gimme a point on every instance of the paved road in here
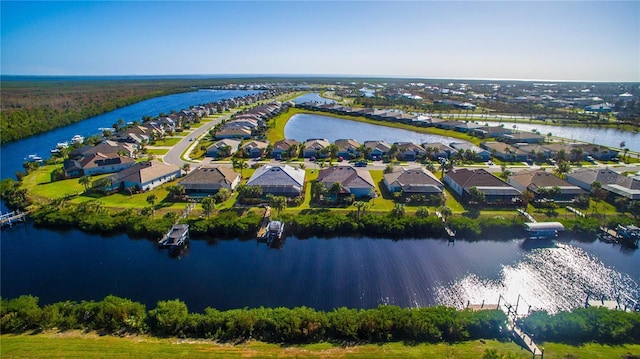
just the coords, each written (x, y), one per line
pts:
(173, 156)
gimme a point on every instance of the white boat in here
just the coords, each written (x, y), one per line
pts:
(34, 158)
(175, 237)
(275, 229)
(62, 145)
(77, 139)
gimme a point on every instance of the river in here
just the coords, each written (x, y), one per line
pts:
(357, 272)
(13, 154)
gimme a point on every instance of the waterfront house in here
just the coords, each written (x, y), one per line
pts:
(105, 147)
(355, 181)
(542, 183)
(467, 127)
(505, 151)
(314, 148)
(96, 163)
(598, 152)
(144, 176)
(223, 148)
(207, 180)
(377, 149)
(254, 149)
(413, 181)
(615, 183)
(490, 131)
(435, 150)
(410, 151)
(481, 154)
(348, 148)
(522, 137)
(278, 180)
(285, 148)
(496, 191)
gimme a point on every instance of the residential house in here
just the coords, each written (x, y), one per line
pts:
(496, 191)
(96, 163)
(314, 148)
(105, 147)
(598, 152)
(348, 148)
(434, 150)
(615, 183)
(223, 148)
(522, 137)
(207, 180)
(278, 180)
(254, 149)
(481, 154)
(233, 132)
(283, 148)
(355, 181)
(490, 131)
(505, 151)
(540, 182)
(466, 127)
(377, 149)
(410, 151)
(144, 176)
(413, 181)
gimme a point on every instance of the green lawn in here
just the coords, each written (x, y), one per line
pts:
(166, 142)
(79, 345)
(157, 151)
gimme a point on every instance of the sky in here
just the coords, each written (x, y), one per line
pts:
(541, 40)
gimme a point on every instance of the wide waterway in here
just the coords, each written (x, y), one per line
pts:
(316, 272)
(321, 273)
(13, 154)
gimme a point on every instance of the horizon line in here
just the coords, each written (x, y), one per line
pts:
(257, 75)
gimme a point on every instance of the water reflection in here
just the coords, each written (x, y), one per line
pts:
(558, 277)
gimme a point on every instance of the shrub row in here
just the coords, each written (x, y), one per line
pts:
(585, 325)
(116, 315)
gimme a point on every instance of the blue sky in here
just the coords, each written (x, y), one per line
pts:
(571, 40)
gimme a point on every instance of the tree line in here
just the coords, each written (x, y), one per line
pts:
(115, 315)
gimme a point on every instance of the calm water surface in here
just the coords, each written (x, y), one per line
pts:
(319, 273)
(304, 126)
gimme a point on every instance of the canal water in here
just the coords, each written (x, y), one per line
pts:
(356, 272)
(322, 273)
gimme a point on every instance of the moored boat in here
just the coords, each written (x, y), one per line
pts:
(177, 236)
(275, 229)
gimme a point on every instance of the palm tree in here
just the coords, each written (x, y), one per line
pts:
(335, 190)
(151, 199)
(361, 207)
(277, 202)
(207, 205)
(186, 167)
(562, 169)
(85, 181)
(446, 212)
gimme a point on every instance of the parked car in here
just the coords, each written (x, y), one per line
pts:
(361, 164)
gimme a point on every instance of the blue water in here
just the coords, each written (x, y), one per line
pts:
(13, 154)
(312, 97)
(320, 273)
(304, 126)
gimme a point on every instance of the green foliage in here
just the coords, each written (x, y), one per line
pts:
(585, 325)
(289, 325)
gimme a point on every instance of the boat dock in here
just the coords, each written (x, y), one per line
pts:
(8, 219)
(511, 311)
(450, 232)
(263, 230)
(175, 237)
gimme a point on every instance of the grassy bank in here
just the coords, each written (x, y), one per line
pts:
(92, 345)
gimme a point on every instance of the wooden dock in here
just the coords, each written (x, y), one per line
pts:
(450, 232)
(8, 219)
(266, 218)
